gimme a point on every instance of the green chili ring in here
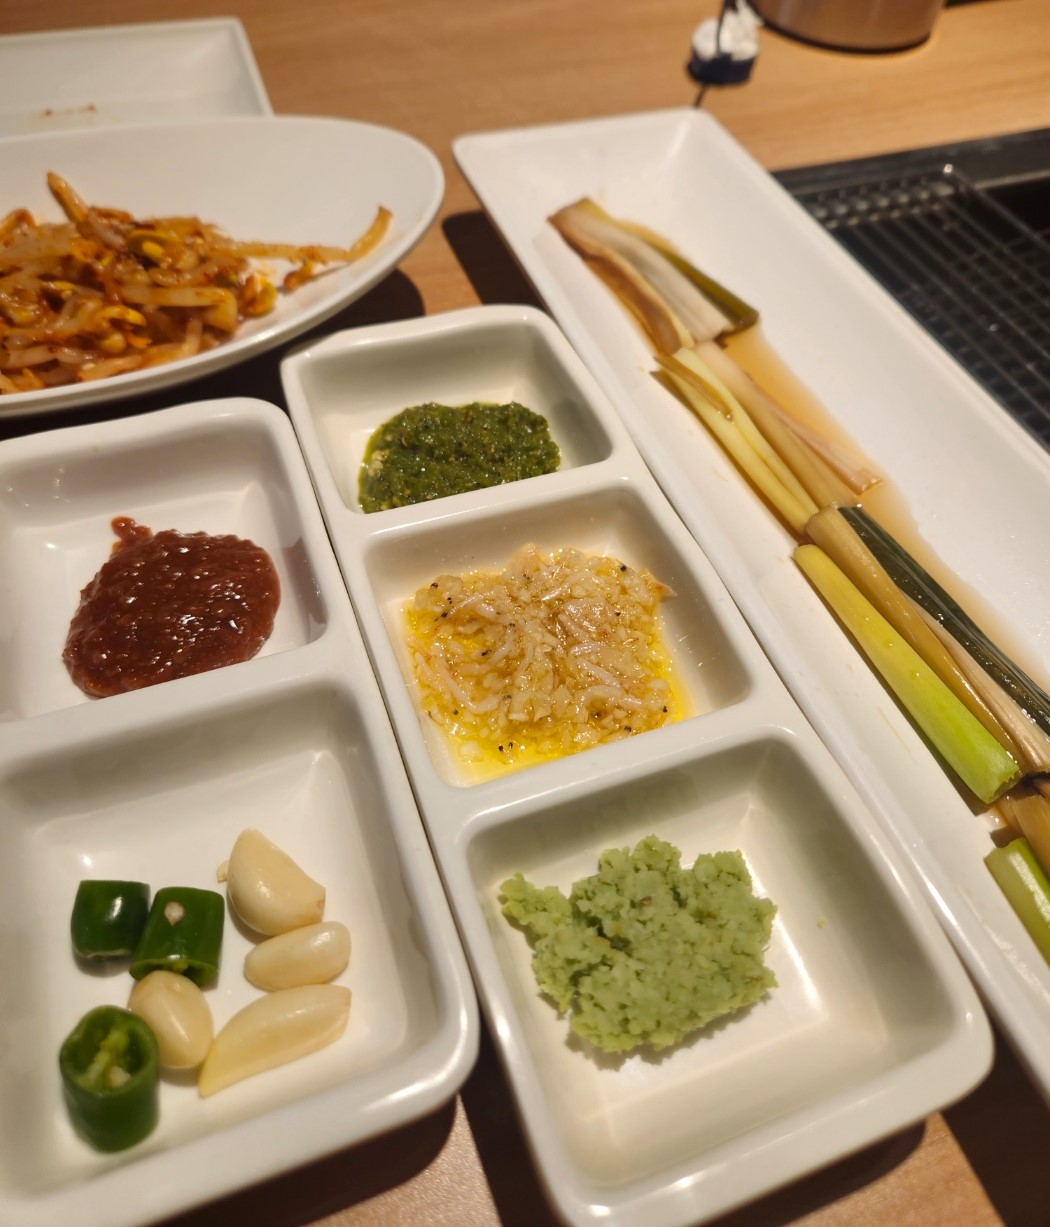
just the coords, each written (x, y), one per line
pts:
(109, 1066)
(183, 934)
(108, 918)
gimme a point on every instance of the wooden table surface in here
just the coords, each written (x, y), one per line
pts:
(437, 68)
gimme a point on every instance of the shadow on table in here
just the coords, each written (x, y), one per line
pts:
(394, 298)
(504, 1153)
(332, 1184)
(1000, 1127)
(828, 1186)
(1003, 1128)
(491, 269)
(521, 1202)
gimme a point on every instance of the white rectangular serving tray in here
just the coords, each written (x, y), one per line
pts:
(155, 784)
(127, 74)
(872, 1025)
(976, 487)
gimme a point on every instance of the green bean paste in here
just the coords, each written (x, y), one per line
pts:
(430, 451)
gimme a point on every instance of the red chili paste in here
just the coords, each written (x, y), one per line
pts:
(167, 605)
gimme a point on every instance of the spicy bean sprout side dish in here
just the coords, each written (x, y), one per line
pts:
(103, 293)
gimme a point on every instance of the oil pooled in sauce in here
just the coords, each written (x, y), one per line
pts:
(167, 605)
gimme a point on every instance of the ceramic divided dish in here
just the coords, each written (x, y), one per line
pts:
(155, 785)
(965, 480)
(873, 1023)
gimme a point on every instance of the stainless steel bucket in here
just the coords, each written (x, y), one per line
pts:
(854, 25)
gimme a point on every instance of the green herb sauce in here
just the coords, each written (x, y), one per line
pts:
(430, 451)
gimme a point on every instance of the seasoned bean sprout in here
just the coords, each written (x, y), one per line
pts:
(103, 292)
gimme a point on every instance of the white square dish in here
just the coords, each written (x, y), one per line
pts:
(607, 518)
(965, 479)
(847, 1049)
(154, 785)
(164, 806)
(225, 474)
(351, 387)
(127, 74)
(860, 1013)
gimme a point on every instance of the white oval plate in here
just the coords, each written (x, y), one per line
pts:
(281, 179)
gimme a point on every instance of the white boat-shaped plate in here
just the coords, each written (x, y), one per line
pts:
(976, 487)
(154, 785)
(148, 71)
(282, 179)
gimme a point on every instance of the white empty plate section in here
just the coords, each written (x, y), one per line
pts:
(106, 75)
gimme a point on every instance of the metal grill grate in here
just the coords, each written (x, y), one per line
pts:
(972, 273)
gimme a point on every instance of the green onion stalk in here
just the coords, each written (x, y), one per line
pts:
(987, 720)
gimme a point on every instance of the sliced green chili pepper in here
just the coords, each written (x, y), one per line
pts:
(108, 918)
(109, 1073)
(183, 933)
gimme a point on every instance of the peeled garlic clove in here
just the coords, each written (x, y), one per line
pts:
(274, 1030)
(268, 890)
(313, 954)
(178, 1014)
